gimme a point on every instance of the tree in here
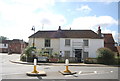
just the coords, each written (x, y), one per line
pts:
(29, 54)
(3, 38)
(105, 56)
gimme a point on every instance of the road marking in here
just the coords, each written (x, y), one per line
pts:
(111, 71)
(95, 72)
(12, 74)
(80, 72)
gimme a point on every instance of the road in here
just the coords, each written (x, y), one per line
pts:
(18, 71)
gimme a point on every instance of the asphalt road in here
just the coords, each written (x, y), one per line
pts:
(18, 71)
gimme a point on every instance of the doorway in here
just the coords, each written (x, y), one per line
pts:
(78, 54)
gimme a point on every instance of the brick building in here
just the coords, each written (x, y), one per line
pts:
(109, 41)
(4, 46)
(12, 46)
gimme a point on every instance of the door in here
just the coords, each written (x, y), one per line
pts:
(78, 54)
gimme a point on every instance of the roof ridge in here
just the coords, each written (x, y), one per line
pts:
(66, 34)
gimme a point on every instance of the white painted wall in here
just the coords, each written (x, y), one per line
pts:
(59, 45)
(39, 44)
(95, 44)
(65, 48)
(2, 45)
(30, 41)
(55, 44)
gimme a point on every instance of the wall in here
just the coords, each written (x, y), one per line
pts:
(2, 45)
(59, 45)
(71, 47)
(3, 49)
(95, 44)
(39, 44)
(55, 44)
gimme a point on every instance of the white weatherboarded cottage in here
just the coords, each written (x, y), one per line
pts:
(69, 43)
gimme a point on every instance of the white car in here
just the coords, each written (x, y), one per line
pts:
(42, 59)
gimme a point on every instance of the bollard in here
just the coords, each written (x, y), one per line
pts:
(35, 66)
(67, 71)
(67, 63)
(35, 72)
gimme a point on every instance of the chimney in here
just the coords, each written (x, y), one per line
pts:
(59, 28)
(99, 32)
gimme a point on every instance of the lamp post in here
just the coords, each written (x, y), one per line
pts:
(33, 28)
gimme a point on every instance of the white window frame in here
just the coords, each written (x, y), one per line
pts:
(67, 42)
(86, 43)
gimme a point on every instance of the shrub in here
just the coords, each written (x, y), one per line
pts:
(105, 56)
(117, 61)
(90, 61)
(23, 57)
(28, 53)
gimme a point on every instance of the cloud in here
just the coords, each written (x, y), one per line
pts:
(92, 23)
(51, 19)
(18, 17)
(84, 8)
(89, 22)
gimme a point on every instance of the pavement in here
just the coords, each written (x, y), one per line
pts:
(13, 68)
(61, 64)
(17, 60)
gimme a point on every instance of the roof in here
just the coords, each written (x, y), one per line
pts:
(5, 41)
(66, 34)
(108, 38)
(12, 41)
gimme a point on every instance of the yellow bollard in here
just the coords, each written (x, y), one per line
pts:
(35, 66)
(67, 70)
(35, 72)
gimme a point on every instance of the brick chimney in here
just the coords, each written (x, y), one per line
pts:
(99, 32)
(59, 28)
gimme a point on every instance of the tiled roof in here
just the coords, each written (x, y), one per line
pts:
(11, 41)
(66, 34)
(5, 41)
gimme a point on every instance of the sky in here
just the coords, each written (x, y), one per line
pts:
(17, 17)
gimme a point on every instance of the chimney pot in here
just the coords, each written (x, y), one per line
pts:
(99, 32)
(59, 28)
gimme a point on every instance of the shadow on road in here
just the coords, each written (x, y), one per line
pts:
(39, 77)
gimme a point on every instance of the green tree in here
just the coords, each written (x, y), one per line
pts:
(105, 56)
(28, 54)
(3, 38)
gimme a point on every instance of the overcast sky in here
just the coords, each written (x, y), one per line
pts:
(18, 16)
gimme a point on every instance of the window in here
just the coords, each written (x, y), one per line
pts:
(85, 55)
(86, 43)
(67, 42)
(47, 42)
(67, 54)
(5, 45)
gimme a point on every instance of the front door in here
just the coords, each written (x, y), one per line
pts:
(78, 54)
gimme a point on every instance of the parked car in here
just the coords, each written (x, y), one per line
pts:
(42, 59)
